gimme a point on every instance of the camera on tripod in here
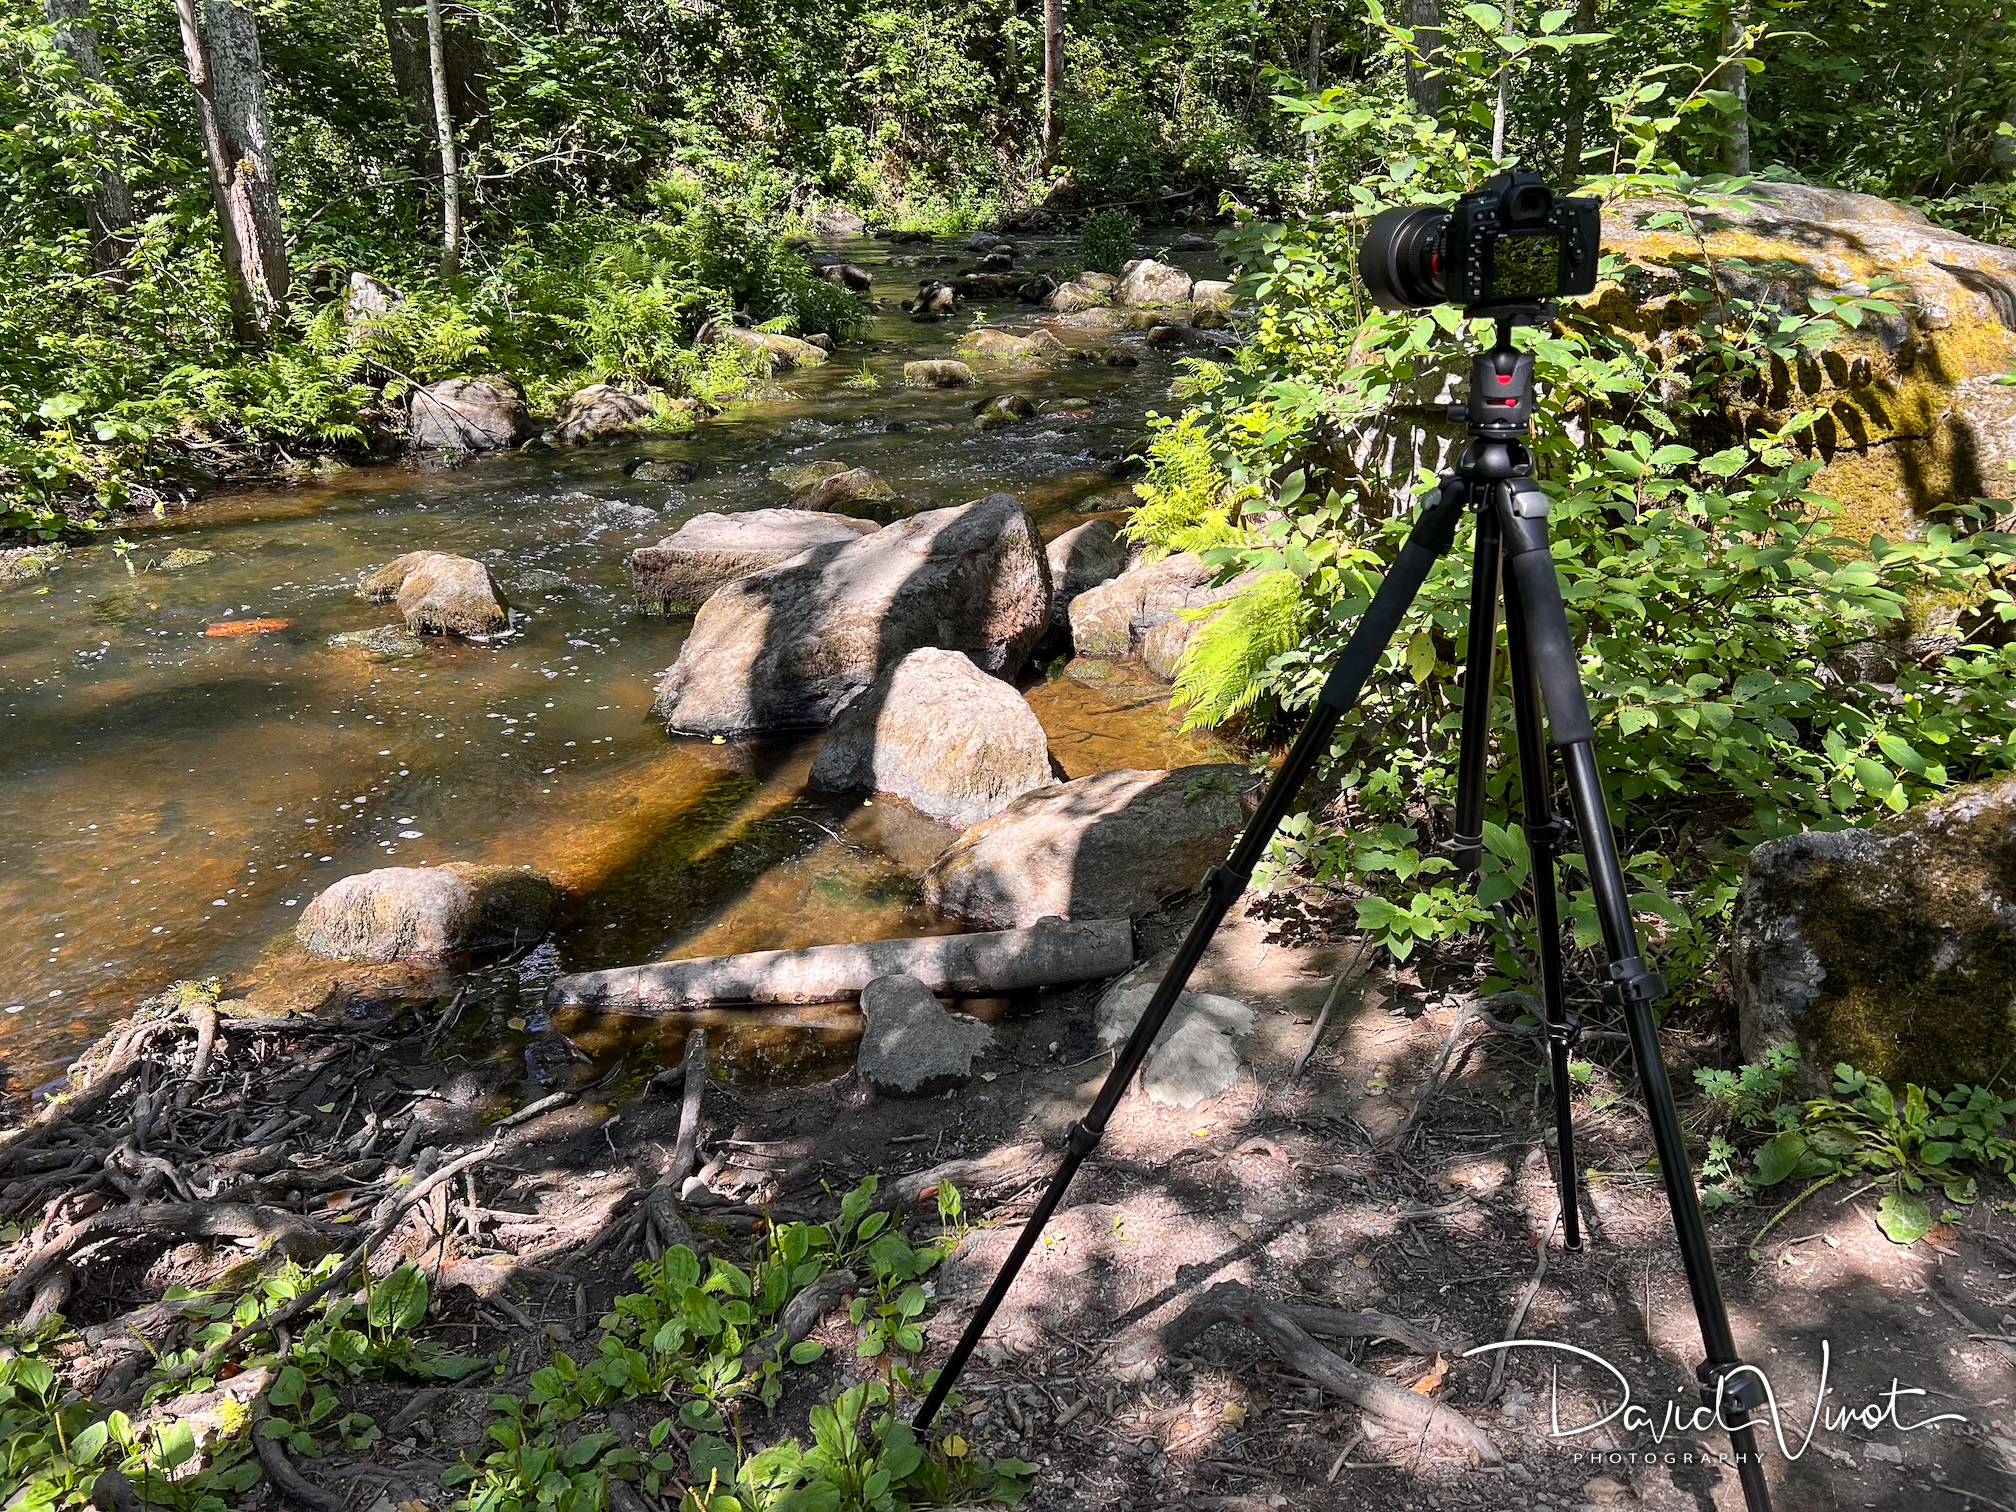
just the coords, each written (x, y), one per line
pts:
(1506, 248)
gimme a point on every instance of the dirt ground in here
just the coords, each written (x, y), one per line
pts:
(1314, 1191)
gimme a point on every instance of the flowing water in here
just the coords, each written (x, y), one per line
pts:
(170, 797)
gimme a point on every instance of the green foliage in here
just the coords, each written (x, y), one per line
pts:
(1223, 672)
(1107, 242)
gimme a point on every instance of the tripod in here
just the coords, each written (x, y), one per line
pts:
(1493, 478)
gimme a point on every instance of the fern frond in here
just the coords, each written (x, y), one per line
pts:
(1224, 670)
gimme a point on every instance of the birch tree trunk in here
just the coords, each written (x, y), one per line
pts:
(227, 75)
(1053, 75)
(108, 209)
(1735, 78)
(1423, 86)
(444, 136)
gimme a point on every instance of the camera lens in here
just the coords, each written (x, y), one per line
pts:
(1401, 258)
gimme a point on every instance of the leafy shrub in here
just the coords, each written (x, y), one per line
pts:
(1106, 244)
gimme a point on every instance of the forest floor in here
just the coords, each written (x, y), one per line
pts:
(1321, 1190)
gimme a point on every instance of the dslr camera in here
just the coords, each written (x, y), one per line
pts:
(1507, 248)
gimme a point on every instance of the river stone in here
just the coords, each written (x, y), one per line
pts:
(848, 275)
(662, 470)
(784, 352)
(940, 734)
(992, 341)
(440, 594)
(1111, 620)
(1212, 294)
(913, 1047)
(799, 476)
(1892, 948)
(1195, 1057)
(679, 574)
(601, 410)
(184, 556)
(1082, 558)
(856, 491)
(792, 645)
(380, 643)
(1163, 645)
(405, 912)
(467, 414)
(23, 564)
(1004, 409)
(1148, 282)
(935, 301)
(1100, 847)
(1078, 295)
(939, 372)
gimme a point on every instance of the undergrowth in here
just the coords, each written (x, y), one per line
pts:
(700, 1338)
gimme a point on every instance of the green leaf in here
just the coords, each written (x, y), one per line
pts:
(288, 1387)
(1421, 656)
(710, 1456)
(399, 1302)
(1904, 1219)
(807, 1352)
(1779, 1157)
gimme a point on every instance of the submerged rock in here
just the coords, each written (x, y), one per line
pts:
(439, 594)
(184, 556)
(663, 470)
(940, 372)
(1196, 1057)
(799, 476)
(21, 564)
(467, 414)
(1099, 847)
(601, 410)
(1892, 948)
(913, 1047)
(791, 646)
(682, 571)
(940, 734)
(407, 912)
(382, 643)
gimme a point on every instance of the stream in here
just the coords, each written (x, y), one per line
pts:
(170, 799)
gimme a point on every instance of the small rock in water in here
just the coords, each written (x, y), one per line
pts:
(1004, 409)
(662, 470)
(228, 629)
(912, 1046)
(944, 372)
(382, 643)
(441, 594)
(184, 556)
(602, 410)
(542, 580)
(428, 912)
(855, 492)
(799, 476)
(21, 564)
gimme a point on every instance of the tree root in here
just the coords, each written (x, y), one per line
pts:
(1394, 1407)
(297, 1492)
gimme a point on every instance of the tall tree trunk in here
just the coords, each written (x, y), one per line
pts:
(1424, 87)
(108, 209)
(1504, 99)
(444, 136)
(233, 218)
(1578, 97)
(1735, 78)
(407, 49)
(1053, 75)
(1315, 53)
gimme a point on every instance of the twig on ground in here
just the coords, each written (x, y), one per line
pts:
(1350, 973)
(1519, 1313)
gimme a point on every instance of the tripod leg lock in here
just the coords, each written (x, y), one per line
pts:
(1081, 1141)
(1223, 885)
(1468, 851)
(1732, 1388)
(1567, 1034)
(1633, 983)
(1553, 836)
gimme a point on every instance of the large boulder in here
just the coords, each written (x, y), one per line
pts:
(838, 220)
(937, 732)
(1082, 558)
(1892, 948)
(793, 645)
(467, 414)
(992, 341)
(1118, 843)
(1164, 645)
(428, 912)
(1148, 282)
(601, 410)
(1114, 618)
(682, 571)
(440, 594)
(912, 1047)
(781, 352)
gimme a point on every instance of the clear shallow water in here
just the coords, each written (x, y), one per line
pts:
(169, 800)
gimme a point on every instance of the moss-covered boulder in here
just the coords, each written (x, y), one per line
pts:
(1913, 416)
(1891, 948)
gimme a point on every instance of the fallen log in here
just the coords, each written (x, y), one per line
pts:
(1009, 1166)
(1047, 953)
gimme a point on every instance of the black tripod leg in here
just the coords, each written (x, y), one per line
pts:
(1431, 536)
(1727, 1384)
(1473, 749)
(1543, 839)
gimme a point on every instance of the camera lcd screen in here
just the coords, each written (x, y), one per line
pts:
(1526, 265)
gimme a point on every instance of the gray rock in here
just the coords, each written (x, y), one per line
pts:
(439, 594)
(781, 352)
(1004, 409)
(1891, 948)
(1148, 282)
(1163, 645)
(1082, 558)
(382, 643)
(940, 734)
(848, 276)
(1196, 1056)
(912, 1047)
(1112, 619)
(1100, 847)
(366, 298)
(940, 372)
(793, 645)
(682, 571)
(1212, 293)
(992, 341)
(184, 556)
(663, 470)
(857, 491)
(467, 414)
(600, 410)
(935, 301)
(1079, 294)
(799, 476)
(838, 220)
(428, 912)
